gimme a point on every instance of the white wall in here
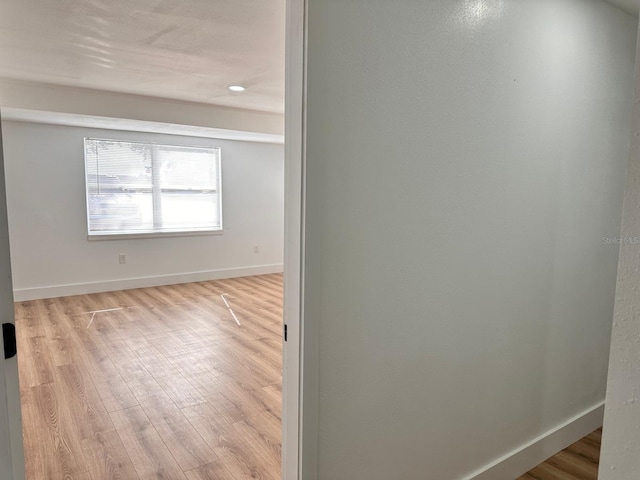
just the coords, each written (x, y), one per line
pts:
(620, 456)
(47, 217)
(464, 161)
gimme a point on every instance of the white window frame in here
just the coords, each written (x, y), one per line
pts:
(153, 233)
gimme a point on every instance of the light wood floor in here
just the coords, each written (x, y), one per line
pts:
(577, 462)
(155, 383)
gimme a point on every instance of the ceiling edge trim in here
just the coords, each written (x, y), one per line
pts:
(109, 123)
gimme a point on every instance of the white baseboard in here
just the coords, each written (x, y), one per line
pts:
(24, 294)
(524, 458)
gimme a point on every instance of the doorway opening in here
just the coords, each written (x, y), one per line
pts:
(179, 380)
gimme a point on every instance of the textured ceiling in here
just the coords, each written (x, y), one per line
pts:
(182, 49)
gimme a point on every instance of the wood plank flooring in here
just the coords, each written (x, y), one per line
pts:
(577, 462)
(154, 383)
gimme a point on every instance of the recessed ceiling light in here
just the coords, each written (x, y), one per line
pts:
(236, 88)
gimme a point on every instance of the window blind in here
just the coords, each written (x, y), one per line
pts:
(137, 188)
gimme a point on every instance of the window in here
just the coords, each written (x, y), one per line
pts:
(146, 188)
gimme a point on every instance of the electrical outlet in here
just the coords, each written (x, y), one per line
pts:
(256, 249)
(122, 258)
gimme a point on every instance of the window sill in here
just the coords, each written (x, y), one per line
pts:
(133, 236)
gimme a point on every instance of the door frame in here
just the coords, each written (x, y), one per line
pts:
(294, 428)
(10, 404)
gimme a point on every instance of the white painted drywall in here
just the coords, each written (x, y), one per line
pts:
(620, 456)
(464, 161)
(631, 6)
(47, 216)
